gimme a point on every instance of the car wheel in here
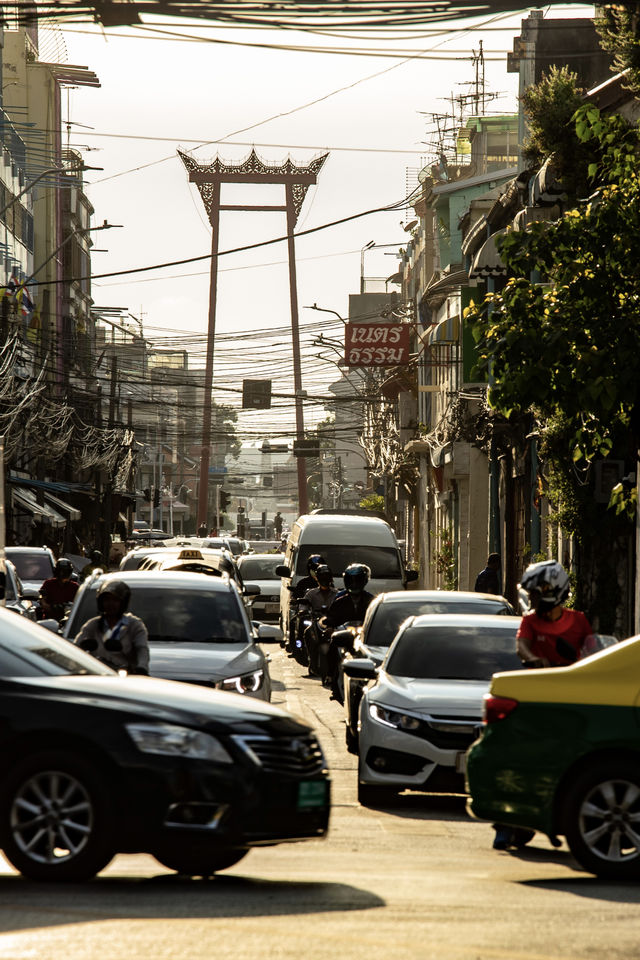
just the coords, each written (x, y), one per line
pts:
(602, 821)
(196, 863)
(351, 739)
(375, 795)
(55, 818)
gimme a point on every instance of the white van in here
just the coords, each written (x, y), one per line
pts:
(343, 539)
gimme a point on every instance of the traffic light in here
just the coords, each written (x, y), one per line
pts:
(147, 494)
(256, 394)
(224, 500)
(156, 497)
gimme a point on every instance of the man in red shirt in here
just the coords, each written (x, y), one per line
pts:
(58, 590)
(551, 635)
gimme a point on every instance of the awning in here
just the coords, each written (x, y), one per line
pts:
(487, 261)
(447, 331)
(45, 514)
(63, 507)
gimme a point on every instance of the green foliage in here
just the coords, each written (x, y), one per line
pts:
(445, 561)
(373, 501)
(619, 29)
(549, 108)
(567, 348)
(624, 500)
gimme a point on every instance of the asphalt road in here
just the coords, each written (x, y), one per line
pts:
(418, 880)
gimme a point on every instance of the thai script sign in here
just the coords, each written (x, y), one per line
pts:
(376, 344)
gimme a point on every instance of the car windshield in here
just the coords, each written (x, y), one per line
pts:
(176, 615)
(32, 566)
(383, 561)
(453, 653)
(388, 616)
(27, 650)
(260, 568)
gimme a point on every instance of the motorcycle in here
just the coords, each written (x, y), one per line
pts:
(342, 639)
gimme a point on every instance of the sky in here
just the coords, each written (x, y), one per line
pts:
(159, 94)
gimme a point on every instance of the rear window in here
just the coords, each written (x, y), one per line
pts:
(383, 561)
(388, 616)
(453, 653)
(32, 566)
(173, 616)
(263, 568)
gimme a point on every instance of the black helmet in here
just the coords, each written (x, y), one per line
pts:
(356, 577)
(117, 588)
(63, 567)
(323, 575)
(314, 561)
(96, 556)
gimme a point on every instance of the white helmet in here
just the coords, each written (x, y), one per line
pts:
(547, 583)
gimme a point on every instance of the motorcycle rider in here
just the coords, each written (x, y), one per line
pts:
(115, 637)
(319, 599)
(349, 606)
(551, 635)
(58, 591)
(296, 630)
(95, 563)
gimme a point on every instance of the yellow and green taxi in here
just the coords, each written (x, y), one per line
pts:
(560, 753)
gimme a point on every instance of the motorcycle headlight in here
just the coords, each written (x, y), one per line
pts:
(171, 740)
(393, 718)
(246, 683)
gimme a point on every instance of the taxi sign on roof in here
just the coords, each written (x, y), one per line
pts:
(190, 555)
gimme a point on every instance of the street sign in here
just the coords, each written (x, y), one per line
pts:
(306, 448)
(376, 344)
(256, 394)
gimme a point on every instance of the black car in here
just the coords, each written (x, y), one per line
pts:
(95, 764)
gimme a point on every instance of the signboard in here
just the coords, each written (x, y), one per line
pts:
(256, 394)
(306, 448)
(376, 344)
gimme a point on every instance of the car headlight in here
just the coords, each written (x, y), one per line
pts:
(246, 683)
(393, 718)
(171, 740)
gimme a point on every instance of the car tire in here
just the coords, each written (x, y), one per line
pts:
(375, 795)
(602, 820)
(351, 740)
(55, 819)
(196, 863)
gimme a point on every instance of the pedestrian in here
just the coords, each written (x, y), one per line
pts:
(277, 525)
(551, 635)
(115, 637)
(488, 580)
(202, 530)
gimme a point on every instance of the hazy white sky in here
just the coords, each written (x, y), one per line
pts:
(161, 94)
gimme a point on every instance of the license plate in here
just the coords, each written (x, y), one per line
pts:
(461, 763)
(272, 608)
(312, 793)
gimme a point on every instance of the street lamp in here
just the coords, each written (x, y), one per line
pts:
(367, 246)
(314, 306)
(74, 233)
(45, 173)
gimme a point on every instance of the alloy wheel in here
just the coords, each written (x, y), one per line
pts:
(51, 817)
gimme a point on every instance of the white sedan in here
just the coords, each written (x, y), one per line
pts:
(423, 707)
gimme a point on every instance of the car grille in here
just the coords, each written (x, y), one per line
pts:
(297, 756)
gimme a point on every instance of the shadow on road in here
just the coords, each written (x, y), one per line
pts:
(25, 904)
(425, 806)
(590, 887)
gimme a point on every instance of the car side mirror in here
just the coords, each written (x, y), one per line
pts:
(343, 639)
(267, 632)
(282, 570)
(363, 669)
(251, 589)
(29, 593)
(410, 576)
(51, 625)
